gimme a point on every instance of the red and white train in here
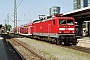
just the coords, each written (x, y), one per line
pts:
(56, 29)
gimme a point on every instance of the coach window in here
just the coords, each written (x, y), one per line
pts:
(53, 22)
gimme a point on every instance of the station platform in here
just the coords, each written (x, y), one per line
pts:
(3, 55)
(84, 42)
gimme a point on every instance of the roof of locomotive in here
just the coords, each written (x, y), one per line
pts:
(57, 16)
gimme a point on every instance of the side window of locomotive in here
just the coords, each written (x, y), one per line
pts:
(53, 22)
(62, 22)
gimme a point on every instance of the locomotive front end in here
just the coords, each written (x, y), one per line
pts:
(67, 31)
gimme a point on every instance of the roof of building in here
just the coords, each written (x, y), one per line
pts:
(74, 11)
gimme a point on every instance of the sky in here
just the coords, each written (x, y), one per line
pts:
(28, 10)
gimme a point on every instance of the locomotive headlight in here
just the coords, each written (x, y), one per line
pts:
(73, 31)
(60, 32)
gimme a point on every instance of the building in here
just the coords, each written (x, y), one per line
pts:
(54, 10)
(77, 4)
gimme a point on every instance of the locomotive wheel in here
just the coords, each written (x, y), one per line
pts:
(66, 43)
(61, 43)
(57, 42)
(52, 42)
(74, 43)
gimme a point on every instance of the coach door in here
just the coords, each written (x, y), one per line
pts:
(29, 30)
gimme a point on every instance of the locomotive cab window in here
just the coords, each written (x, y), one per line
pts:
(62, 22)
(53, 22)
(70, 22)
(66, 22)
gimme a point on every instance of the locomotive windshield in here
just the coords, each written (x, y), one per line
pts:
(66, 22)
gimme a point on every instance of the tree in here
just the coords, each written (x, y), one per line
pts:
(0, 26)
(8, 27)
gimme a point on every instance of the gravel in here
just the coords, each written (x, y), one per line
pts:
(56, 52)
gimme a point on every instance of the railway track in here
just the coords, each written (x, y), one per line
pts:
(25, 50)
(74, 47)
(14, 53)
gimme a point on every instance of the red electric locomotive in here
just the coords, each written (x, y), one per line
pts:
(55, 29)
(58, 29)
